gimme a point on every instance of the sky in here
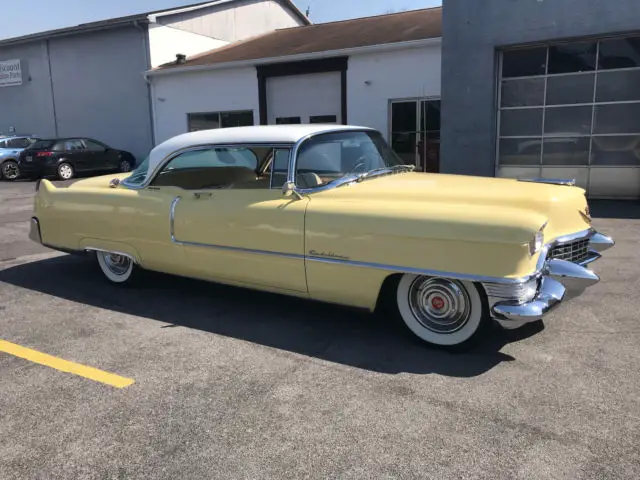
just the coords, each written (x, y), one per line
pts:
(19, 17)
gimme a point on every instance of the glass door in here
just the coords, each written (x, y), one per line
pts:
(415, 132)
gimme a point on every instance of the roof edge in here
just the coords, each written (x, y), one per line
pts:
(382, 47)
(144, 18)
(76, 29)
(288, 4)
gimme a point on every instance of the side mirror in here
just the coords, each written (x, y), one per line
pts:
(289, 189)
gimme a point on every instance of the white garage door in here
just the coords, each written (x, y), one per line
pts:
(313, 98)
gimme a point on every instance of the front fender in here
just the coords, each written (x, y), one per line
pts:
(455, 238)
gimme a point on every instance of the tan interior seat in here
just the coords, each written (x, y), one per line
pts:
(308, 180)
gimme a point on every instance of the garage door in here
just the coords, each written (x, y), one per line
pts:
(573, 110)
(313, 98)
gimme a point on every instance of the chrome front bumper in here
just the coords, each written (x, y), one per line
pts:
(556, 280)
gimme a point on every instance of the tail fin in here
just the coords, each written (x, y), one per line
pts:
(45, 185)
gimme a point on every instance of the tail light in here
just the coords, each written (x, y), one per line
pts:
(44, 154)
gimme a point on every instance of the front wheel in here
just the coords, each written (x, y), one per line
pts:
(442, 312)
(10, 170)
(118, 269)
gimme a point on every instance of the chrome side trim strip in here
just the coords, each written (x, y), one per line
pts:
(239, 249)
(417, 271)
(379, 266)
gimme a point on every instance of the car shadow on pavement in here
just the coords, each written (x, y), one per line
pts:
(332, 333)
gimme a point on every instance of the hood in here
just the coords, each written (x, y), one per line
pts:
(559, 205)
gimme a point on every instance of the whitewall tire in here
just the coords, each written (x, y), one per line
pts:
(118, 269)
(441, 312)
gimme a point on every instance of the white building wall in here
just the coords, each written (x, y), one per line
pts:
(373, 79)
(234, 22)
(165, 42)
(174, 96)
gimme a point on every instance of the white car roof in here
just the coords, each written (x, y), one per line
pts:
(257, 134)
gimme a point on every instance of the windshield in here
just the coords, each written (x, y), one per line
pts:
(138, 176)
(329, 157)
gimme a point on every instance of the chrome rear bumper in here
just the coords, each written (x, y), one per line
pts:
(34, 231)
(558, 280)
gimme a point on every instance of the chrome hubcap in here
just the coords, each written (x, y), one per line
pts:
(11, 170)
(440, 305)
(65, 171)
(117, 264)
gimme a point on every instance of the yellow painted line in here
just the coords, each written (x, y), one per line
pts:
(65, 365)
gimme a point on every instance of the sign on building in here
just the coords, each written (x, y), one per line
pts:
(10, 73)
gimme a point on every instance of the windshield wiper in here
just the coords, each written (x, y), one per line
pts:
(353, 177)
(385, 170)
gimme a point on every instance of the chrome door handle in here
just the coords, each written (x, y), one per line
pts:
(200, 195)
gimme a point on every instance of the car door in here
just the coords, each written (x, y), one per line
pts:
(98, 157)
(232, 219)
(75, 153)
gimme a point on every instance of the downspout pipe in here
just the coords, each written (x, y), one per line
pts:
(147, 50)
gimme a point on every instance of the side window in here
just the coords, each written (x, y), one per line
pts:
(18, 143)
(212, 168)
(280, 167)
(59, 147)
(93, 146)
(73, 145)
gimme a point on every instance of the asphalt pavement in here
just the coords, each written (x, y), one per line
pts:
(235, 384)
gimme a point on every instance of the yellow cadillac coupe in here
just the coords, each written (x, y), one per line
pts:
(330, 213)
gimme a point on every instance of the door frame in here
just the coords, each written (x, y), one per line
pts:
(416, 100)
(306, 67)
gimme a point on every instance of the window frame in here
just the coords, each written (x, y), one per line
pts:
(219, 114)
(274, 146)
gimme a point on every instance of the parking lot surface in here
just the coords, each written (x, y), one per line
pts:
(230, 383)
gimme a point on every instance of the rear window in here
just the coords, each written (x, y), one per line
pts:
(43, 144)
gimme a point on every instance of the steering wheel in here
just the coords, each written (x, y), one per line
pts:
(361, 163)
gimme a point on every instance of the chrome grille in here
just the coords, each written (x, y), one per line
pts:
(576, 251)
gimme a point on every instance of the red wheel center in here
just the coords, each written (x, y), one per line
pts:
(437, 303)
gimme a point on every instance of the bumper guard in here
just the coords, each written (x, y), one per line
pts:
(558, 280)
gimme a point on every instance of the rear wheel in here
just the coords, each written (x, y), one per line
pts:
(125, 166)
(10, 170)
(442, 312)
(118, 269)
(65, 171)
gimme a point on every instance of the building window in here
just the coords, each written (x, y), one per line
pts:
(207, 121)
(570, 106)
(415, 132)
(288, 121)
(323, 119)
